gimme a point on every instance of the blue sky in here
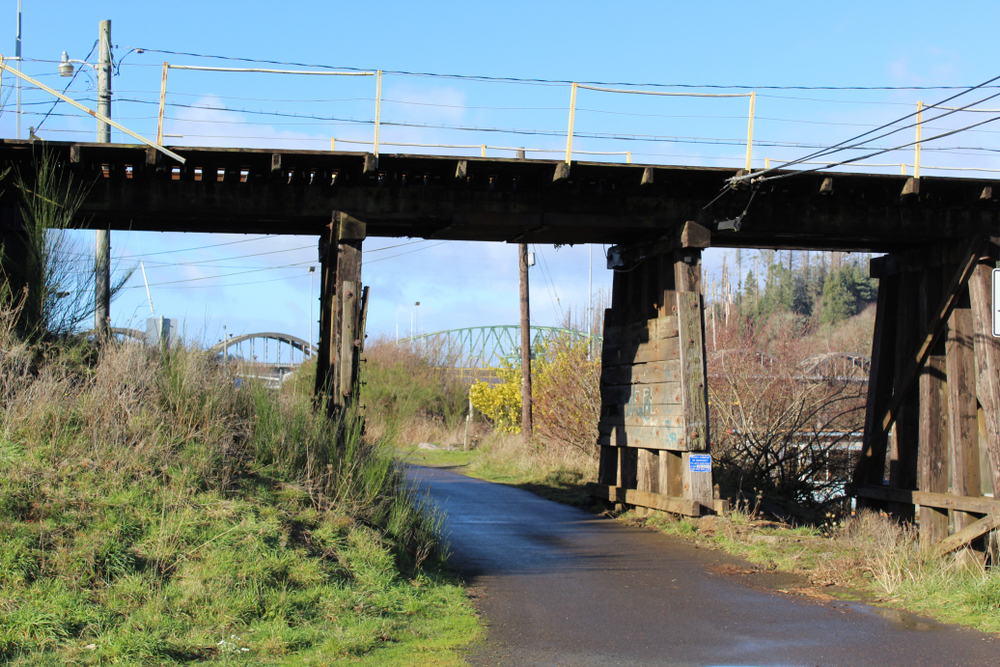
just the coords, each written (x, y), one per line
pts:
(752, 45)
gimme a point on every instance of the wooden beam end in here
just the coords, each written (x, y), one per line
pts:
(562, 172)
(911, 187)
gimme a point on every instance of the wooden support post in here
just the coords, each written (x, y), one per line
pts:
(987, 355)
(326, 352)
(870, 470)
(351, 232)
(654, 421)
(933, 416)
(962, 427)
(349, 343)
(903, 444)
(337, 357)
(933, 453)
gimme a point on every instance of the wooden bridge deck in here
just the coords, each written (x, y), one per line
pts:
(493, 199)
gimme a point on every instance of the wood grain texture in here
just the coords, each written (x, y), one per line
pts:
(986, 349)
(963, 438)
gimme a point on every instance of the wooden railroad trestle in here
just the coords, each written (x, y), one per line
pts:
(932, 436)
(932, 429)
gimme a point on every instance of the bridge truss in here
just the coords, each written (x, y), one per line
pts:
(489, 346)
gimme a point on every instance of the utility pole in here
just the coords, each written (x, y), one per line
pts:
(17, 54)
(522, 251)
(102, 263)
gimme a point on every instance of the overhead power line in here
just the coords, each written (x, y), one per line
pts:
(841, 146)
(538, 81)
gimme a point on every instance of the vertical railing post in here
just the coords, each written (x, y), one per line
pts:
(753, 102)
(163, 101)
(572, 118)
(916, 149)
(378, 110)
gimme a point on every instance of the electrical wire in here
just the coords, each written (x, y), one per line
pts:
(382, 259)
(562, 82)
(877, 153)
(57, 100)
(834, 148)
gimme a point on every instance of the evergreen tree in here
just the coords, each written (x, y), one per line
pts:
(838, 302)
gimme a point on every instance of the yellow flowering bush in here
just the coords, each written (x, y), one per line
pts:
(566, 395)
(500, 402)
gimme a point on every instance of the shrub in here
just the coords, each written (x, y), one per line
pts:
(781, 427)
(566, 396)
(403, 381)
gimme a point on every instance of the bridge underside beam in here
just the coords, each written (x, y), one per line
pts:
(654, 415)
(932, 436)
(257, 191)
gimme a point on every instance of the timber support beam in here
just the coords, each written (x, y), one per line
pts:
(343, 310)
(653, 431)
(935, 369)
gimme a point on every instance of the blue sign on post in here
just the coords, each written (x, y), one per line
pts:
(700, 463)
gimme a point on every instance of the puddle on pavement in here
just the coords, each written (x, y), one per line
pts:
(902, 620)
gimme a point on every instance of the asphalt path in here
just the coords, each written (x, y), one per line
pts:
(560, 586)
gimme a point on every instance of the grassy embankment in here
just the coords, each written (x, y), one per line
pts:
(153, 513)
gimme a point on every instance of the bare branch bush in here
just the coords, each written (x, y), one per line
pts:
(784, 419)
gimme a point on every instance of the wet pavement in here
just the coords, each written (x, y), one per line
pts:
(559, 586)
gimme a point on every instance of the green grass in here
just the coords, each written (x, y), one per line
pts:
(153, 514)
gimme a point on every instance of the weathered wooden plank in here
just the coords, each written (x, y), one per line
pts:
(933, 452)
(326, 353)
(687, 270)
(670, 416)
(646, 437)
(986, 349)
(940, 500)
(648, 474)
(932, 330)
(641, 332)
(671, 478)
(962, 407)
(659, 393)
(649, 373)
(649, 352)
(645, 499)
(694, 388)
(350, 233)
(628, 462)
(969, 533)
